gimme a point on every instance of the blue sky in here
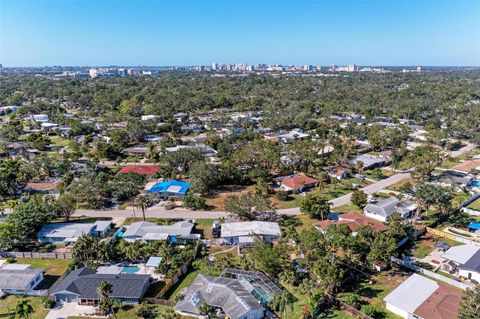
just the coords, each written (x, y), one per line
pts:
(140, 32)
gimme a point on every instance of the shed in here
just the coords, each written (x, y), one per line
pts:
(153, 262)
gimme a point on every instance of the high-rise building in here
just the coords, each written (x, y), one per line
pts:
(214, 66)
(351, 68)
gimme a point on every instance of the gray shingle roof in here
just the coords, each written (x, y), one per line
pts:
(17, 278)
(472, 264)
(387, 207)
(226, 293)
(84, 282)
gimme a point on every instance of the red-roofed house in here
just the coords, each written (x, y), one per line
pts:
(353, 221)
(140, 169)
(298, 183)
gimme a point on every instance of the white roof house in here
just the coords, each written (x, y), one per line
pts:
(238, 229)
(244, 232)
(466, 259)
(70, 232)
(461, 254)
(147, 231)
(421, 297)
(410, 294)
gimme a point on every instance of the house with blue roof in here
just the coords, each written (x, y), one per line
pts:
(170, 189)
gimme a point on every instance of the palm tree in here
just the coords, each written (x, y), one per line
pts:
(103, 290)
(23, 309)
(141, 202)
(85, 248)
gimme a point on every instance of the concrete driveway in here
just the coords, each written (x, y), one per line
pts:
(63, 310)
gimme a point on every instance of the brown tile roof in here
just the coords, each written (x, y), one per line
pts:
(298, 181)
(42, 186)
(140, 169)
(353, 221)
(442, 304)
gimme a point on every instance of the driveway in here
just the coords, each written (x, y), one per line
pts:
(66, 309)
(463, 150)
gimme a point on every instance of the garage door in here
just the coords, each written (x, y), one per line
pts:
(65, 298)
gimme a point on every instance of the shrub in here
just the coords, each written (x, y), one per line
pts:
(371, 310)
(352, 299)
(194, 202)
(282, 195)
(48, 302)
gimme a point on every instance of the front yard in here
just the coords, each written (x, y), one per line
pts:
(7, 306)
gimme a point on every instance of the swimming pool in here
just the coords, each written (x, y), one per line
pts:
(475, 183)
(130, 270)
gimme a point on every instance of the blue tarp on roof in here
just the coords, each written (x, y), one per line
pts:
(474, 225)
(171, 187)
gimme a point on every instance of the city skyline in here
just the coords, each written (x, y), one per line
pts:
(167, 33)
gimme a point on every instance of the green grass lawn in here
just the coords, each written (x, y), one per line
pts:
(54, 269)
(295, 201)
(128, 312)
(335, 314)
(185, 281)
(348, 208)
(475, 205)
(380, 285)
(8, 304)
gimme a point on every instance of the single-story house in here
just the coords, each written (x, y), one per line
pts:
(243, 233)
(371, 161)
(19, 279)
(81, 286)
(147, 232)
(70, 232)
(45, 188)
(40, 118)
(140, 169)
(298, 183)
(170, 189)
(453, 178)
(339, 172)
(232, 296)
(463, 260)
(382, 209)
(421, 297)
(353, 221)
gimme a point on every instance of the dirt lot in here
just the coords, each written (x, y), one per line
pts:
(216, 200)
(468, 165)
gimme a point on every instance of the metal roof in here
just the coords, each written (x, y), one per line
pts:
(411, 293)
(250, 228)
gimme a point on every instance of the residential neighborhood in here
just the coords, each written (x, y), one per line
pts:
(205, 194)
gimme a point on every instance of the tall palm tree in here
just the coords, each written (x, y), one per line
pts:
(104, 289)
(23, 309)
(141, 202)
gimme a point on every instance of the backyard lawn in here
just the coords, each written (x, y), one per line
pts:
(185, 281)
(8, 304)
(475, 205)
(380, 285)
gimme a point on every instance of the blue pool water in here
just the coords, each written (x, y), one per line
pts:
(475, 183)
(119, 234)
(130, 270)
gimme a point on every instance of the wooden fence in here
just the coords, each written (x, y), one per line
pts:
(27, 254)
(158, 301)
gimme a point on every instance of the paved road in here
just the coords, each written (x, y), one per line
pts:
(372, 188)
(160, 212)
